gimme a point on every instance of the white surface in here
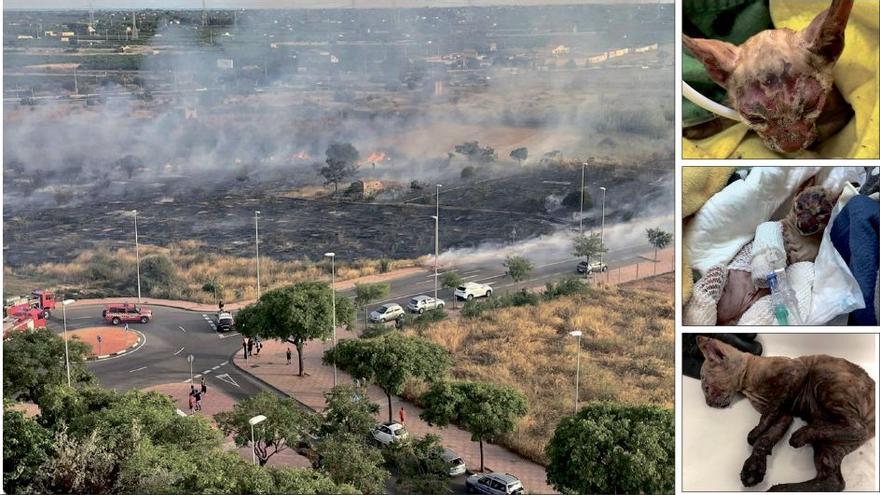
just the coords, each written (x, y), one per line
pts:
(714, 443)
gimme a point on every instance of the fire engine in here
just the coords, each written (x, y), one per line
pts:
(22, 316)
(38, 299)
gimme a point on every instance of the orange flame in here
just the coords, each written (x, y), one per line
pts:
(375, 157)
(302, 155)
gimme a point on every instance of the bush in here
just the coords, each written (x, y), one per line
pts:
(384, 265)
(613, 448)
(468, 172)
(376, 330)
(565, 287)
(573, 200)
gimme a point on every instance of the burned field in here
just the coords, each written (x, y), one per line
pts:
(397, 225)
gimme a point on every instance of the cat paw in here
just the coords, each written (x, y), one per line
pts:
(784, 487)
(753, 435)
(800, 438)
(753, 470)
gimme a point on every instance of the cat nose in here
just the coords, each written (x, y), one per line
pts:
(794, 137)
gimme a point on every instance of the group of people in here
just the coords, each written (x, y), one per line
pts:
(195, 396)
(250, 345)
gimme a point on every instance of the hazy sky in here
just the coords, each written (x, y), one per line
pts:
(223, 4)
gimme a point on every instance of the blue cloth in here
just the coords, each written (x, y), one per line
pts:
(856, 236)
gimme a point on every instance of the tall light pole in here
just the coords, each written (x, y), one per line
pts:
(583, 175)
(436, 252)
(257, 239)
(602, 232)
(436, 240)
(137, 253)
(66, 355)
(254, 421)
(332, 257)
(190, 358)
(577, 376)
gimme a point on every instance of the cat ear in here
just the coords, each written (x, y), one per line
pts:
(824, 36)
(719, 57)
(712, 349)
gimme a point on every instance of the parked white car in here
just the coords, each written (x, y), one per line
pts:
(470, 290)
(420, 304)
(388, 433)
(494, 484)
(454, 462)
(386, 312)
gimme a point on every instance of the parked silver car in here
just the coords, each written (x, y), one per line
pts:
(494, 484)
(454, 462)
(386, 312)
(420, 304)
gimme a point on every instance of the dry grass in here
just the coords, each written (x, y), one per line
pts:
(627, 354)
(194, 268)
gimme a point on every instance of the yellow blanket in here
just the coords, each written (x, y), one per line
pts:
(857, 75)
(698, 184)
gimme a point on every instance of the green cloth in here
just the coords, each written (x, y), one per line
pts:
(733, 21)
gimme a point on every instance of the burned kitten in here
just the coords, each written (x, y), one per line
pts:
(802, 229)
(833, 396)
(780, 81)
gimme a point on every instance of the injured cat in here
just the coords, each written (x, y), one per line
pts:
(805, 223)
(832, 395)
(780, 81)
(692, 357)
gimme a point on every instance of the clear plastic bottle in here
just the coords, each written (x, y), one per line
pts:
(785, 305)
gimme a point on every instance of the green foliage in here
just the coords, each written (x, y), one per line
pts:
(573, 200)
(376, 330)
(468, 172)
(614, 448)
(158, 274)
(520, 154)
(477, 308)
(384, 265)
(451, 280)
(341, 163)
(349, 460)
(349, 410)
(565, 287)
(588, 246)
(364, 294)
(658, 238)
(286, 423)
(390, 360)
(26, 446)
(518, 268)
(297, 313)
(421, 321)
(485, 410)
(34, 361)
(421, 469)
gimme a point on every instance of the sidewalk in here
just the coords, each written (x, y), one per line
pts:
(271, 367)
(215, 401)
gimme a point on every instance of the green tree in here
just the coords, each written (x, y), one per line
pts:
(364, 294)
(573, 200)
(659, 239)
(421, 469)
(286, 423)
(33, 361)
(518, 268)
(588, 246)
(158, 274)
(213, 287)
(390, 360)
(341, 162)
(614, 448)
(484, 409)
(350, 460)
(349, 410)
(451, 280)
(520, 155)
(296, 313)
(26, 446)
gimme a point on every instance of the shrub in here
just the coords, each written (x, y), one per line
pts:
(468, 172)
(565, 287)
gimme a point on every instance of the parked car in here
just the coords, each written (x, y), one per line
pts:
(420, 304)
(593, 266)
(454, 461)
(386, 312)
(388, 433)
(225, 322)
(494, 484)
(126, 313)
(470, 290)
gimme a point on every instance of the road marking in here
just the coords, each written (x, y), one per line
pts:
(138, 369)
(233, 334)
(206, 372)
(182, 329)
(224, 363)
(215, 367)
(81, 318)
(179, 351)
(228, 379)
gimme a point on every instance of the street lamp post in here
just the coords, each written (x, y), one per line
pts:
(583, 175)
(257, 242)
(602, 232)
(66, 354)
(254, 421)
(137, 253)
(190, 358)
(577, 376)
(436, 252)
(332, 257)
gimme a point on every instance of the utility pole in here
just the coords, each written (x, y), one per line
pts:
(332, 257)
(137, 254)
(436, 241)
(257, 236)
(583, 174)
(602, 232)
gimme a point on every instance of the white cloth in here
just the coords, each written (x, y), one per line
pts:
(768, 252)
(801, 278)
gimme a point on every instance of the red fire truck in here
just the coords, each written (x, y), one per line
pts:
(40, 299)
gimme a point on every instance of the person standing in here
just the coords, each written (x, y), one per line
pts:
(204, 386)
(288, 356)
(244, 347)
(250, 347)
(192, 401)
(198, 396)
(402, 414)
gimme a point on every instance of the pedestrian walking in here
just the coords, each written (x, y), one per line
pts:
(204, 387)
(244, 347)
(220, 304)
(259, 346)
(198, 397)
(192, 403)
(402, 414)
(288, 356)
(250, 347)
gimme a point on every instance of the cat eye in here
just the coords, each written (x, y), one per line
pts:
(756, 119)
